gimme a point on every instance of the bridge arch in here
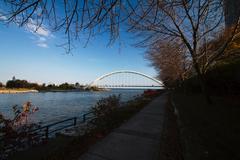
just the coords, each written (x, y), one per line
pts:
(125, 71)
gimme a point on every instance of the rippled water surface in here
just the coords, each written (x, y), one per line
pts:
(55, 106)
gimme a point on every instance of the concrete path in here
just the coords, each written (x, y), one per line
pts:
(137, 139)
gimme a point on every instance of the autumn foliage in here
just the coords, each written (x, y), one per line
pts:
(170, 62)
(15, 132)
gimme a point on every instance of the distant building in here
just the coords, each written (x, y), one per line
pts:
(13, 78)
(231, 12)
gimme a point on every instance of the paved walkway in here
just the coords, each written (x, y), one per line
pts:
(137, 139)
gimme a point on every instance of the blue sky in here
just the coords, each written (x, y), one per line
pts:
(36, 58)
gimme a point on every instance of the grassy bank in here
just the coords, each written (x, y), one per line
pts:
(209, 131)
(65, 147)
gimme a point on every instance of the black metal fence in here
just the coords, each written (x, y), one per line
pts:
(52, 128)
(47, 131)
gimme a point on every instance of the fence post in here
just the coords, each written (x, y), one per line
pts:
(75, 121)
(46, 132)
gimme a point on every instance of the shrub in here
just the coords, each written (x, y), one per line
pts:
(15, 133)
(104, 112)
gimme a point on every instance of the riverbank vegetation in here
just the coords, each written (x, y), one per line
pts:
(21, 86)
(109, 113)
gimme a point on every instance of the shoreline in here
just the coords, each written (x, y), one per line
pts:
(14, 91)
(23, 90)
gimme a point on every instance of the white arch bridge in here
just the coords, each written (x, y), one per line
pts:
(126, 79)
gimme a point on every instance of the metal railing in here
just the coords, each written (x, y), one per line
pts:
(54, 127)
(58, 126)
(86, 116)
(46, 131)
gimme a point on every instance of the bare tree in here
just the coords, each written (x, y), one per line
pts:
(208, 49)
(193, 23)
(170, 61)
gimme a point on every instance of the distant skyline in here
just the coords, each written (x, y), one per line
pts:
(34, 56)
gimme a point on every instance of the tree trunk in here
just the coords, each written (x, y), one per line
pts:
(204, 88)
(203, 85)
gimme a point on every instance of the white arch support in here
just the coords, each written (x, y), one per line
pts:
(125, 71)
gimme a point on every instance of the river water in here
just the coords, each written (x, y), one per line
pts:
(55, 106)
